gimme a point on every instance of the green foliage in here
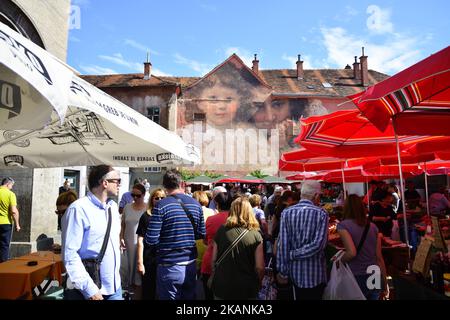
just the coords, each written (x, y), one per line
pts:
(258, 174)
(186, 174)
(212, 175)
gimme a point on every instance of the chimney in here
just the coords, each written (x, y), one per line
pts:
(364, 69)
(300, 72)
(356, 71)
(255, 66)
(147, 69)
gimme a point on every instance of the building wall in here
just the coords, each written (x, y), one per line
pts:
(50, 17)
(239, 123)
(141, 98)
(37, 189)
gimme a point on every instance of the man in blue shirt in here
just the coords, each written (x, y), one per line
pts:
(301, 244)
(84, 227)
(173, 231)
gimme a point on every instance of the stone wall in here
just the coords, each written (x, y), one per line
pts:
(51, 19)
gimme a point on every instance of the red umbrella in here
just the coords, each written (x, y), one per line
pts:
(306, 176)
(305, 160)
(348, 134)
(359, 175)
(417, 98)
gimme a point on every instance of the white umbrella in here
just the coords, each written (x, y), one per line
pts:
(96, 128)
(32, 83)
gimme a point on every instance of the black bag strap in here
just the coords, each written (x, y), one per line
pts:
(189, 215)
(106, 239)
(363, 238)
(231, 247)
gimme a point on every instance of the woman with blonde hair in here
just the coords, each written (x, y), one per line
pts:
(146, 258)
(238, 260)
(203, 199)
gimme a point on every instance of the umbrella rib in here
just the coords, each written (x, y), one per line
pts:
(31, 132)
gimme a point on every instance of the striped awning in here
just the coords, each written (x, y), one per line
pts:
(348, 134)
(417, 98)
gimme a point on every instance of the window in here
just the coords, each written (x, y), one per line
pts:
(152, 169)
(153, 114)
(199, 117)
(327, 85)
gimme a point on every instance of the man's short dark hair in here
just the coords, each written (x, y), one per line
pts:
(96, 175)
(172, 179)
(7, 180)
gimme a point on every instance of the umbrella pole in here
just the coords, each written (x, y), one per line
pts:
(402, 190)
(426, 188)
(343, 181)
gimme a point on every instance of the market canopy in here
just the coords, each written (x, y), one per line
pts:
(348, 134)
(202, 179)
(305, 160)
(417, 99)
(87, 126)
(273, 179)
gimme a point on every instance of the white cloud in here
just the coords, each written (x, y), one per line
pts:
(379, 20)
(346, 14)
(201, 68)
(117, 58)
(293, 61)
(160, 73)
(244, 54)
(139, 46)
(93, 69)
(351, 11)
(394, 54)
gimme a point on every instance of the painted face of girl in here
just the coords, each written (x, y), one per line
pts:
(219, 104)
(270, 113)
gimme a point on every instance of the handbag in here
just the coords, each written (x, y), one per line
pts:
(342, 284)
(268, 289)
(92, 265)
(224, 254)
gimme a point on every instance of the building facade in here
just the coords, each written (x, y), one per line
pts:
(45, 22)
(242, 118)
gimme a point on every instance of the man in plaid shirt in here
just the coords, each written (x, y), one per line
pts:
(301, 244)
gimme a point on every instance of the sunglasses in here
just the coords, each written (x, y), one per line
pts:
(158, 198)
(135, 195)
(117, 181)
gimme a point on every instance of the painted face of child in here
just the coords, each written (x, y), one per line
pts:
(271, 113)
(219, 104)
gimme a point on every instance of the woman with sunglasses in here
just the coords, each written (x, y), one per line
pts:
(64, 200)
(132, 212)
(146, 258)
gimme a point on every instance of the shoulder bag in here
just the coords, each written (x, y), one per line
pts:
(224, 254)
(92, 265)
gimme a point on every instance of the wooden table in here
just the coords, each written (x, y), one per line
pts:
(18, 279)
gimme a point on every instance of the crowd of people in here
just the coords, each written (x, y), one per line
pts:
(223, 239)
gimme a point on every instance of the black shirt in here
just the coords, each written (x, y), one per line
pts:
(377, 210)
(149, 251)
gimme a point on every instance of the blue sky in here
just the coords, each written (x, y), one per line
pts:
(190, 37)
